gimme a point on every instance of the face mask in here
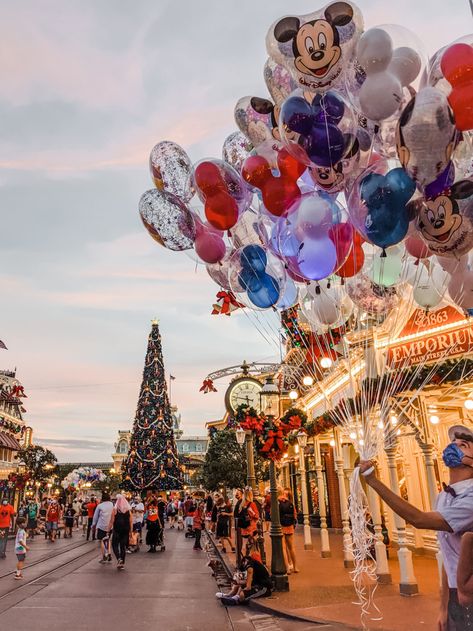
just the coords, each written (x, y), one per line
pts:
(4, 502)
(452, 456)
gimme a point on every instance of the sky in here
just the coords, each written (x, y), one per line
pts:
(87, 89)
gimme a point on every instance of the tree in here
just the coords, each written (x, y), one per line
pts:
(225, 463)
(39, 461)
(152, 460)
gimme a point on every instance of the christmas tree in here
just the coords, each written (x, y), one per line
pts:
(152, 461)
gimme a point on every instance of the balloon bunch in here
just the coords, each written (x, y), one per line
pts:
(79, 476)
(357, 168)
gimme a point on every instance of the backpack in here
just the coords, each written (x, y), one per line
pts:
(243, 518)
(32, 511)
(286, 513)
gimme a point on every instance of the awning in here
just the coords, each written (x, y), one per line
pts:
(9, 441)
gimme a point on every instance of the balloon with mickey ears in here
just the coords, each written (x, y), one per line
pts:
(256, 277)
(278, 192)
(222, 191)
(383, 72)
(319, 132)
(316, 47)
(457, 67)
(170, 168)
(378, 204)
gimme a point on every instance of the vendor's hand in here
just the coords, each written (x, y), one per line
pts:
(365, 465)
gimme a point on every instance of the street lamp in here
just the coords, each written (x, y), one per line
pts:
(293, 395)
(240, 435)
(302, 440)
(270, 407)
(308, 381)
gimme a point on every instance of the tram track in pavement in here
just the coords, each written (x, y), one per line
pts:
(54, 568)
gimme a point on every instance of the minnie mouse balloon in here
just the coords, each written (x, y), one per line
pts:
(316, 47)
(278, 80)
(256, 119)
(445, 222)
(170, 168)
(168, 220)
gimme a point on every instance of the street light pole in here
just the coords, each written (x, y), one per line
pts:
(270, 406)
(302, 440)
(250, 461)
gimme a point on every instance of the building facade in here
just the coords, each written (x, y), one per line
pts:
(122, 445)
(14, 433)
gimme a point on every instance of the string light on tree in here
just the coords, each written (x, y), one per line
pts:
(152, 460)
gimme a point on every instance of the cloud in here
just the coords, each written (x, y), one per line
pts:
(72, 444)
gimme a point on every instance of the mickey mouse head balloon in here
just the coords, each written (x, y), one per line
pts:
(316, 47)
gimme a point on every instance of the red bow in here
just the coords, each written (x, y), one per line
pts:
(274, 443)
(293, 423)
(208, 386)
(252, 423)
(228, 303)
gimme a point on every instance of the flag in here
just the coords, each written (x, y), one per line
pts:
(172, 378)
(2, 345)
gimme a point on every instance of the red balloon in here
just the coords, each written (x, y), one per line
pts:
(355, 259)
(342, 236)
(220, 208)
(457, 68)
(279, 193)
(417, 248)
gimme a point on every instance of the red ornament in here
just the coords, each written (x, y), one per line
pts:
(221, 209)
(229, 303)
(457, 68)
(208, 386)
(279, 193)
(342, 236)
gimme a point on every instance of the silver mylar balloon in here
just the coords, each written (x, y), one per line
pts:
(236, 149)
(170, 168)
(167, 219)
(219, 272)
(368, 296)
(278, 80)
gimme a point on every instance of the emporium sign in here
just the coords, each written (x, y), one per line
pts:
(431, 337)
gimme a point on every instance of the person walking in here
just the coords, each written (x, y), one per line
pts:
(171, 512)
(53, 517)
(69, 515)
(222, 532)
(153, 525)
(32, 516)
(7, 513)
(83, 515)
(453, 516)
(77, 506)
(91, 506)
(288, 519)
(198, 524)
(121, 526)
(20, 548)
(248, 519)
(101, 523)
(138, 510)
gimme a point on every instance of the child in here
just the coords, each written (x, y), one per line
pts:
(198, 524)
(20, 548)
(69, 515)
(180, 519)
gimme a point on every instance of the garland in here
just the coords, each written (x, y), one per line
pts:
(294, 419)
(249, 419)
(271, 442)
(448, 371)
(10, 426)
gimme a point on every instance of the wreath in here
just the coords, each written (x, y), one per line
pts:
(293, 420)
(249, 419)
(271, 442)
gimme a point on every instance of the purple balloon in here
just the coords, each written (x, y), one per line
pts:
(316, 259)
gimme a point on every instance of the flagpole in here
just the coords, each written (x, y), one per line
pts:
(170, 382)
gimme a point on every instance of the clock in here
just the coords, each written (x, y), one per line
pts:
(244, 390)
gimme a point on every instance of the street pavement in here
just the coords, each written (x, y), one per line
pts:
(66, 587)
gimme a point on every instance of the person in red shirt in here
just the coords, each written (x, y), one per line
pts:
(91, 506)
(53, 516)
(198, 524)
(7, 512)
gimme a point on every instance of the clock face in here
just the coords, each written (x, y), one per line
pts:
(243, 391)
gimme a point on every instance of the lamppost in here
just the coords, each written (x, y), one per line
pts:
(302, 441)
(270, 407)
(245, 437)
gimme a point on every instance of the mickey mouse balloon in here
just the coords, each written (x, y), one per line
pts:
(316, 47)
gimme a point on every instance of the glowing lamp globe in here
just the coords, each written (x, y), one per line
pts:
(468, 404)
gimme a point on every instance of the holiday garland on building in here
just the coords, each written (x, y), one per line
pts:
(152, 461)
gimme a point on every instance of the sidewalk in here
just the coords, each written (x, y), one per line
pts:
(323, 590)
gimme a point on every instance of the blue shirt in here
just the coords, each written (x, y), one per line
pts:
(458, 513)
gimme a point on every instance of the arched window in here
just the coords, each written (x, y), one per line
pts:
(122, 447)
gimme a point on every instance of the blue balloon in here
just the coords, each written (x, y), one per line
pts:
(253, 257)
(268, 295)
(386, 197)
(289, 298)
(249, 280)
